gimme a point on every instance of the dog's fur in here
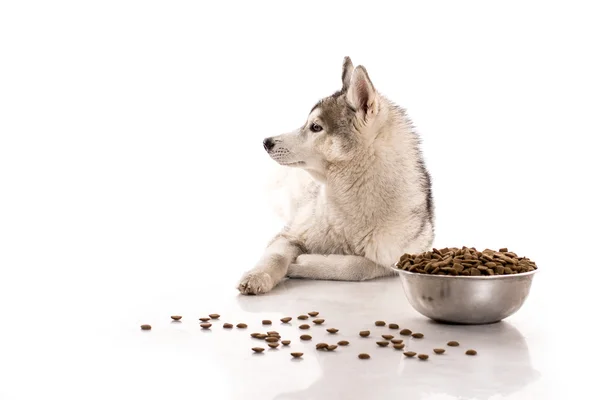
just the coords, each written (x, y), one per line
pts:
(359, 192)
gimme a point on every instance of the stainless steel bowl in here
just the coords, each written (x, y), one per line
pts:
(466, 299)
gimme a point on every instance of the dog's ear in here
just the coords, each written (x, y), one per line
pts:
(347, 70)
(361, 92)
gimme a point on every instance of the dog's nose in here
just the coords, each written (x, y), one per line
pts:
(268, 144)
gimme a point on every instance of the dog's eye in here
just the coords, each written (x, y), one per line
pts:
(315, 127)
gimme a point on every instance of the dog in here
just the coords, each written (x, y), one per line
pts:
(357, 191)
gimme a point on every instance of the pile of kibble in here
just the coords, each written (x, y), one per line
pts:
(273, 339)
(466, 262)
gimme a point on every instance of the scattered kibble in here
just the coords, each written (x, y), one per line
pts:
(146, 327)
(266, 322)
(258, 349)
(387, 337)
(255, 335)
(313, 313)
(285, 320)
(423, 357)
(406, 332)
(302, 316)
(305, 337)
(286, 342)
(379, 323)
(272, 333)
(297, 355)
(242, 326)
(383, 343)
(332, 330)
(343, 343)
(417, 335)
(214, 316)
(399, 346)
(364, 356)
(394, 326)
(304, 326)
(471, 352)
(453, 343)
(271, 339)
(227, 325)
(261, 336)
(410, 354)
(331, 347)
(439, 351)
(176, 317)
(273, 345)
(364, 333)
(396, 341)
(321, 346)
(318, 321)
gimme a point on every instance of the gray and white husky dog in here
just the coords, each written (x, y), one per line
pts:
(357, 194)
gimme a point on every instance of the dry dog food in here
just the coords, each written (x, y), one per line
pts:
(255, 335)
(331, 347)
(423, 357)
(471, 352)
(318, 321)
(205, 325)
(332, 330)
(321, 346)
(242, 326)
(406, 332)
(297, 355)
(146, 327)
(453, 343)
(439, 351)
(379, 323)
(204, 319)
(417, 335)
(410, 353)
(271, 339)
(261, 336)
(258, 349)
(387, 337)
(304, 326)
(396, 341)
(394, 326)
(227, 325)
(399, 346)
(313, 313)
(343, 343)
(286, 342)
(272, 333)
(214, 316)
(302, 316)
(364, 356)
(383, 343)
(286, 320)
(305, 337)
(466, 262)
(176, 317)
(266, 322)
(364, 333)
(273, 345)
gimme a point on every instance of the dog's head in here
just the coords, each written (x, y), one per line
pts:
(336, 129)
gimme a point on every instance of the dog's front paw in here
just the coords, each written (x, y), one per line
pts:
(255, 283)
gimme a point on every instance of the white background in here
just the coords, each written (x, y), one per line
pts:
(131, 160)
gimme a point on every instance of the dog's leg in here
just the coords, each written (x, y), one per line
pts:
(271, 268)
(337, 267)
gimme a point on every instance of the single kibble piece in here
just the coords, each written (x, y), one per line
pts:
(272, 333)
(399, 346)
(206, 325)
(423, 357)
(503, 250)
(204, 319)
(227, 325)
(332, 330)
(379, 323)
(387, 337)
(343, 343)
(406, 332)
(383, 343)
(364, 333)
(255, 335)
(302, 316)
(176, 317)
(146, 327)
(321, 346)
(305, 337)
(313, 313)
(417, 335)
(396, 341)
(242, 326)
(258, 349)
(214, 316)
(271, 339)
(304, 326)
(471, 352)
(286, 342)
(453, 343)
(273, 345)
(364, 356)
(410, 353)
(318, 321)
(439, 351)
(261, 336)
(331, 347)
(286, 320)
(297, 355)
(266, 322)
(394, 326)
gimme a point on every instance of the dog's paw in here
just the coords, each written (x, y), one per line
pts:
(255, 283)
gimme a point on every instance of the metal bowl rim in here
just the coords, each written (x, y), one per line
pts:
(482, 277)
